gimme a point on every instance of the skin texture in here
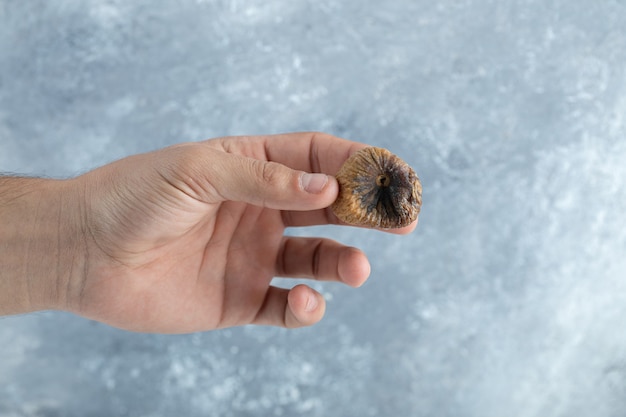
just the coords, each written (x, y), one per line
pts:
(187, 238)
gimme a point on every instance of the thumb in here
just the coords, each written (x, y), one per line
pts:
(270, 184)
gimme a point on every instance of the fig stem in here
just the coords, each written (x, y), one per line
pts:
(382, 180)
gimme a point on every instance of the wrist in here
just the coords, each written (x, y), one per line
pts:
(41, 252)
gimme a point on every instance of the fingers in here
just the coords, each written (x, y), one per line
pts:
(213, 176)
(298, 307)
(322, 259)
(284, 172)
(304, 151)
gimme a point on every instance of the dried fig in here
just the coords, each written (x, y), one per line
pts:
(377, 189)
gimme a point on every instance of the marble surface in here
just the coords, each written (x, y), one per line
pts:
(510, 297)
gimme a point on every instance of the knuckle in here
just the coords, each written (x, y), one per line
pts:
(271, 173)
(185, 168)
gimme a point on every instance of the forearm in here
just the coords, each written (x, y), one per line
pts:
(40, 243)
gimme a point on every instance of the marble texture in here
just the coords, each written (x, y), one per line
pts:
(510, 297)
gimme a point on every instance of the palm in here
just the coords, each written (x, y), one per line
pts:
(196, 273)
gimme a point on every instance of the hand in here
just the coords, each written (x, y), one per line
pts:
(189, 238)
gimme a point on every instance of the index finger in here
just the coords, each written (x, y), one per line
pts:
(304, 151)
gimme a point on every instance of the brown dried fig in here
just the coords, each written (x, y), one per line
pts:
(377, 189)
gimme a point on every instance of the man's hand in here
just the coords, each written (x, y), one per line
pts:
(189, 238)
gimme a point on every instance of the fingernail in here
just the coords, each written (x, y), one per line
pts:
(311, 303)
(313, 183)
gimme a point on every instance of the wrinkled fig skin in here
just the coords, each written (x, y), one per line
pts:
(377, 189)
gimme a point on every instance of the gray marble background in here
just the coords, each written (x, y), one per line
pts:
(508, 300)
